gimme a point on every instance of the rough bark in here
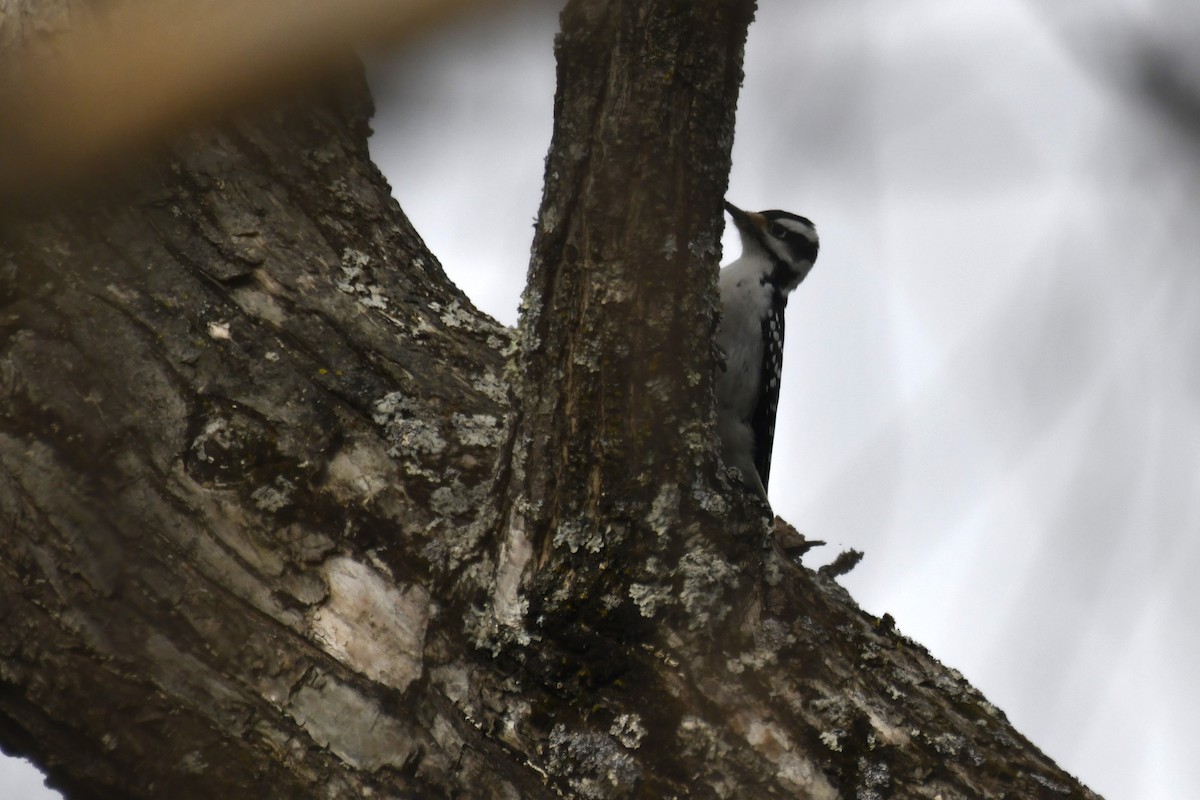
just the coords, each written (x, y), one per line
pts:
(272, 527)
(615, 512)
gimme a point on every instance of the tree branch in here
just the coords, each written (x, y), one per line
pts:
(268, 532)
(614, 437)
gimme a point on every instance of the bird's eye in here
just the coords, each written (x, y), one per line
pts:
(777, 230)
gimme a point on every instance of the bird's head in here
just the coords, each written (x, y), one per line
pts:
(788, 240)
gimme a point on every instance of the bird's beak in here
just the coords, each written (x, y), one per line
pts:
(746, 220)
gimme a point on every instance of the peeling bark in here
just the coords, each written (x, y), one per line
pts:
(273, 527)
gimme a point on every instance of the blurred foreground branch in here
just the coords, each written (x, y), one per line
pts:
(81, 97)
(1151, 57)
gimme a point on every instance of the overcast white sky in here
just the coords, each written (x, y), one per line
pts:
(991, 382)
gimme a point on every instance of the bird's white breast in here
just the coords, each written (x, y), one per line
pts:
(745, 300)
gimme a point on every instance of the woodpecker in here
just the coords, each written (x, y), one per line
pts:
(778, 250)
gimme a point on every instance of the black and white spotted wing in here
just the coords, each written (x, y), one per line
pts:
(763, 421)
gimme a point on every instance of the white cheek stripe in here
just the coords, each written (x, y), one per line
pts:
(779, 249)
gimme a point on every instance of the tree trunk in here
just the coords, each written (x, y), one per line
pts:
(285, 516)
